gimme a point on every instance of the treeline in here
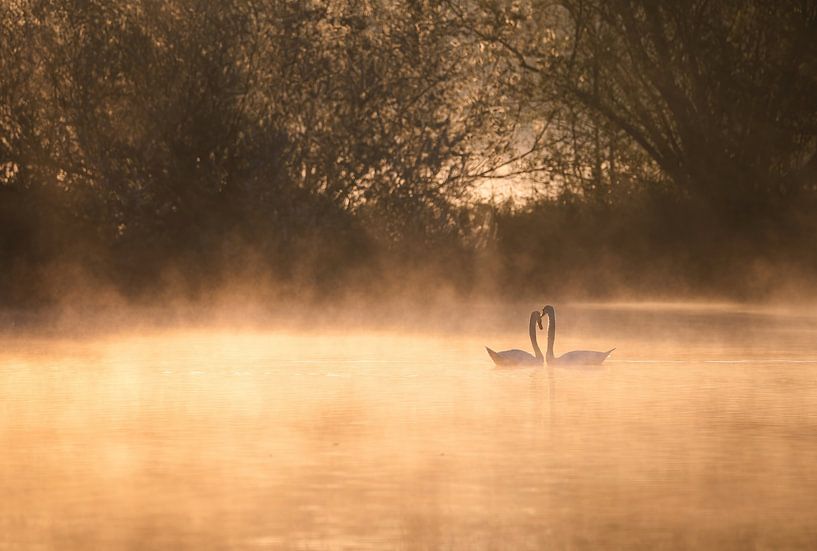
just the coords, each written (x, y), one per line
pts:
(203, 139)
(681, 137)
(321, 145)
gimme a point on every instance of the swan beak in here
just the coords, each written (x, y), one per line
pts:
(539, 321)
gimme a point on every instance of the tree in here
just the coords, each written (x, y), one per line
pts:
(720, 96)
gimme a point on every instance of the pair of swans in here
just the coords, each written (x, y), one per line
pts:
(516, 357)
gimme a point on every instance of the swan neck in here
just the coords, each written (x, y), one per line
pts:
(536, 349)
(551, 334)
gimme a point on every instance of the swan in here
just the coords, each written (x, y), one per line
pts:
(516, 357)
(576, 357)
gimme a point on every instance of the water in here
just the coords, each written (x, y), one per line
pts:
(700, 431)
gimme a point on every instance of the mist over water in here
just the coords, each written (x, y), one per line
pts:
(699, 431)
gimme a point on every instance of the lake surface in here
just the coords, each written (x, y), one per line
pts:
(699, 432)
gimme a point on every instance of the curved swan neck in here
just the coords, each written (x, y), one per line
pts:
(534, 318)
(551, 333)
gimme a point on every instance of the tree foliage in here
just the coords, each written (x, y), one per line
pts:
(720, 97)
(311, 138)
(163, 132)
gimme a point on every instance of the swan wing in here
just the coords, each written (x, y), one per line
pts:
(583, 357)
(513, 357)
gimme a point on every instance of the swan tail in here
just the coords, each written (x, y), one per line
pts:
(494, 356)
(608, 352)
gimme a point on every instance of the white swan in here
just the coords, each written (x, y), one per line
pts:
(514, 357)
(576, 357)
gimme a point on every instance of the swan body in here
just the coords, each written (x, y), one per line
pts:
(516, 357)
(576, 357)
(513, 357)
(581, 357)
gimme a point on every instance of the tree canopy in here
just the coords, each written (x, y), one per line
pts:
(141, 137)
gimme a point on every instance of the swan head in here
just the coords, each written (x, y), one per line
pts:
(548, 311)
(535, 315)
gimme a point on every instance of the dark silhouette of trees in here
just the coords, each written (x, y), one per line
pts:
(668, 138)
(165, 133)
(720, 96)
(317, 141)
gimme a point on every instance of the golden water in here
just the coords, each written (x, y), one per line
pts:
(700, 432)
